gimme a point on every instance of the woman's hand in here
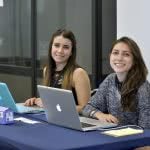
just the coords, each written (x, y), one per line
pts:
(106, 117)
(33, 101)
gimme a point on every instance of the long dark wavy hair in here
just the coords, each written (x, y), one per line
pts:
(135, 77)
(70, 66)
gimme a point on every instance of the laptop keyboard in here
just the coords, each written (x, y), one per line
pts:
(26, 109)
(84, 125)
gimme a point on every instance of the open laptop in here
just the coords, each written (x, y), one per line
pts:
(60, 109)
(6, 100)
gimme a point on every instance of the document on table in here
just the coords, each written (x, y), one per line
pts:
(123, 132)
(25, 120)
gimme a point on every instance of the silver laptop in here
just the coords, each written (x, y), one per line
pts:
(60, 109)
(6, 100)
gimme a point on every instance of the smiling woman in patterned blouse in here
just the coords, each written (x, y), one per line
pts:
(124, 96)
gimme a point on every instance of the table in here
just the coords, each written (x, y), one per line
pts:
(44, 136)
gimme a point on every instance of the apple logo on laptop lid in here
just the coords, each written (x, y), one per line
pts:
(58, 107)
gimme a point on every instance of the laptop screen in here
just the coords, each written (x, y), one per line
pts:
(6, 99)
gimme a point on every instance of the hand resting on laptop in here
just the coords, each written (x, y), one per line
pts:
(33, 101)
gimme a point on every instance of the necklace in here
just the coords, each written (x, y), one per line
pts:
(57, 79)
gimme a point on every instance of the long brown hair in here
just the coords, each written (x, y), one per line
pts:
(70, 66)
(135, 77)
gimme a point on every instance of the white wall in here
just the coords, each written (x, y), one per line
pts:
(133, 21)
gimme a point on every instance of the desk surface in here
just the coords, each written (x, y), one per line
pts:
(46, 136)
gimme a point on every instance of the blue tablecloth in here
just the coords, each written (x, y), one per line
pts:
(44, 136)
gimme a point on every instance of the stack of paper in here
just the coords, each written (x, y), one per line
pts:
(123, 132)
(26, 120)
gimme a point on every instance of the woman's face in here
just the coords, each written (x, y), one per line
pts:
(121, 58)
(61, 50)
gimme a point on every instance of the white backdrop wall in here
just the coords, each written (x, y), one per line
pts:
(133, 21)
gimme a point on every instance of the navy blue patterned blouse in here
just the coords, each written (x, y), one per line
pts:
(108, 100)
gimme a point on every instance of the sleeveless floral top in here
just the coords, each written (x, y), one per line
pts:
(57, 80)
